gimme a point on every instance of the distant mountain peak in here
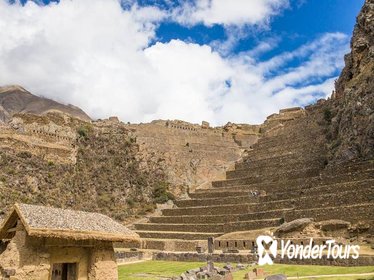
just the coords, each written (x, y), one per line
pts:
(11, 88)
(16, 99)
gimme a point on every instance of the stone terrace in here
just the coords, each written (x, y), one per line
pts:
(284, 177)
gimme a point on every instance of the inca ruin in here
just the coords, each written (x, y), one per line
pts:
(103, 198)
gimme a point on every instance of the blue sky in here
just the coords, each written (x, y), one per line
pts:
(195, 60)
(302, 22)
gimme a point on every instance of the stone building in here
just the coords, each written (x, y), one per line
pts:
(45, 243)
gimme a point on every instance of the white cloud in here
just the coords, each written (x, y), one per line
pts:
(233, 12)
(95, 55)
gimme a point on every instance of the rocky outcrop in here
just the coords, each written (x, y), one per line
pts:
(331, 225)
(16, 99)
(351, 112)
(296, 225)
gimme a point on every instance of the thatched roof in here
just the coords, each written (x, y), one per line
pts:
(52, 222)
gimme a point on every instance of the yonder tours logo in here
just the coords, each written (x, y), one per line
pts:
(269, 248)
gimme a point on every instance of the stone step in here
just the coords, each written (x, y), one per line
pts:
(274, 162)
(213, 193)
(291, 182)
(287, 139)
(251, 225)
(355, 167)
(200, 228)
(310, 152)
(353, 213)
(330, 199)
(178, 235)
(239, 183)
(266, 186)
(302, 148)
(347, 176)
(188, 219)
(247, 196)
(285, 176)
(313, 168)
(361, 186)
(217, 201)
(226, 218)
(295, 145)
(280, 186)
(216, 227)
(260, 156)
(174, 245)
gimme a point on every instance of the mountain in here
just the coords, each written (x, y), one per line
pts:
(16, 99)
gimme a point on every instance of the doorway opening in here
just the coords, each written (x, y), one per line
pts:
(64, 271)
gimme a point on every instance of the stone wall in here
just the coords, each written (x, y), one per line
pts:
(196, 257)
(192, 154)
(50, 137)
(363, 260)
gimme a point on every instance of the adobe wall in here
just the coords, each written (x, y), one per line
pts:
(21, 261)
(102, 264)
(31, 258)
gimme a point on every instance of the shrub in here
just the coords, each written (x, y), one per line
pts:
(130, 202)
(84, 131)
(327, 115)
(161, 193)
(24, 155)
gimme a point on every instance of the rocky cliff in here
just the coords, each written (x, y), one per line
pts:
(351, 111)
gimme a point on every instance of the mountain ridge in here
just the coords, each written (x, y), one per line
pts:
(16, 99)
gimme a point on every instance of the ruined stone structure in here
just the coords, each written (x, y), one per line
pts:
(315, 163)
(43, 243)
(283, 178)
(192, 154)
(51, 137)
(231, 182)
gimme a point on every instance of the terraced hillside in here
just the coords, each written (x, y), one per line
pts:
(285, 177)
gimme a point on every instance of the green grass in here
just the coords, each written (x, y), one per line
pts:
(158, 269)
(347, 278)
(155, 270)
(306, 270)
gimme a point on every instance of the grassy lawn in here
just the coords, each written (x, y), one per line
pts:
(307, 270)
(156, 270)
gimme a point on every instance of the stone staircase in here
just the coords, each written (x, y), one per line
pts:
(284, 177)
